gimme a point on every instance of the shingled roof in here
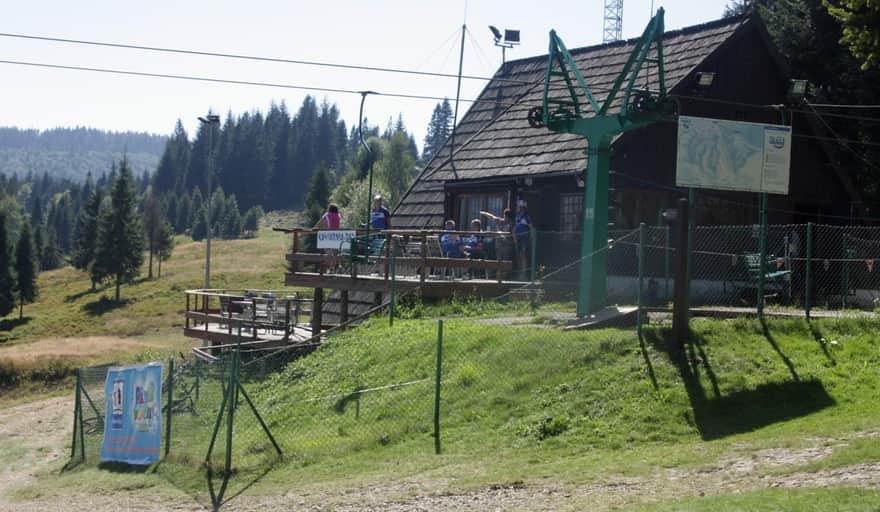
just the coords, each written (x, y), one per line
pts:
(494, 140)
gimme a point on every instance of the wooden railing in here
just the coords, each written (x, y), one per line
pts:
(419, 249)
(252, 309)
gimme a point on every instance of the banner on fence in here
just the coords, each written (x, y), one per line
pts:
(133, 423)
(335, 238)
(733, 155)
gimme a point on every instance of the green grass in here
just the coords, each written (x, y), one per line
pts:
(70, 326)
(520, 405)
(539, 405)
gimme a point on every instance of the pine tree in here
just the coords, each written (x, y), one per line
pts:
(439, 129)
(198, 231)
(84, 247)
(181, 221)
(25, 270)
(164, 244)
(50, 256)
(154, 220)
(119, 250)
(319, 194)
(251, 221)
(196, 214)
(860, 20)
(231, 219)
(7, 300)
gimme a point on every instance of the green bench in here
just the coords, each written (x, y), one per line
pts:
(775, 279)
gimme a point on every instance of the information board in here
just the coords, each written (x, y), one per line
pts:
(335, 238)
(133, 421)
(733, 155)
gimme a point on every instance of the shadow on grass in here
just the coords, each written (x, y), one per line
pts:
(8, 324)
(219, 501)
(820, 339)
(772, 341)
(122, 467)
(104, 305)
(73, 297)
(740, 411)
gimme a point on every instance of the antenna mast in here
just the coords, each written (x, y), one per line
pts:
(613, 26)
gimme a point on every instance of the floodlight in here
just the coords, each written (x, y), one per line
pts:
(511, 36)
(705, 79)
(797, 89)
(496, 33)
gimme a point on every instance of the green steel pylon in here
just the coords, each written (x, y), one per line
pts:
(635, 108)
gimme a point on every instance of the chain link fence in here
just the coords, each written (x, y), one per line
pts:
(413, 386)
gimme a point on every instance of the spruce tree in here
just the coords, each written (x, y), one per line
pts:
(7, 300)
(154, 220)
(164, 244)
(198, 231)
(119, 251)
(25, 270)
(439, 129)
(84, 247)
(251, 221)
(231, 219)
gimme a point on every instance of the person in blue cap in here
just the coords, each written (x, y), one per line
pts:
(380, 217)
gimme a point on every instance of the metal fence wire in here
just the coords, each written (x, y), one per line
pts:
(412, 385)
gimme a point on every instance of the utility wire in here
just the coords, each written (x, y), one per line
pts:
(253, 57)
(223, 80)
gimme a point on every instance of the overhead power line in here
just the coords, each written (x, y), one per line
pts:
(220, 80)
(254, 57)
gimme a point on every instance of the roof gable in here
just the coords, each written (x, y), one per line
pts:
(494, 139)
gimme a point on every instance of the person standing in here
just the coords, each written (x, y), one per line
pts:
(522, 227)
(380, 217)
(330, 220)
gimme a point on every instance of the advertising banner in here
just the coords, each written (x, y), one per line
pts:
(133, 421)
(733, 155)
(335, 238)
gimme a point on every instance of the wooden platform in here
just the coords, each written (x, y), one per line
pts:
(432, 287)
(220, 334)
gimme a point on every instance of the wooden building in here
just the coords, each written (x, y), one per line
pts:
(497, 158)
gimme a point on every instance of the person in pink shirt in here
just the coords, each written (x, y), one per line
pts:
(330, 220)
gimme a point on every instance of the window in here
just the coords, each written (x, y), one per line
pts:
(470, 205)
(570, 210)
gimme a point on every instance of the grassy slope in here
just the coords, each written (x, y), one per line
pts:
(69, 325)
(547, 407)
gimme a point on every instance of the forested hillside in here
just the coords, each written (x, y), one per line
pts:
(283, 160)
(73, 153)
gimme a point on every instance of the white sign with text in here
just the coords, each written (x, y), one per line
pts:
(335, 238)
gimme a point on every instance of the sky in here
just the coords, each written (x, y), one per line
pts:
(402, 34)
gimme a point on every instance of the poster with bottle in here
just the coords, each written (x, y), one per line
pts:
(133, 432)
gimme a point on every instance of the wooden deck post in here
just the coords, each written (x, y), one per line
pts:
(388, 241)
(343, 306)
(317, 310)
(205, 310)
(294, 265)
(186, 315)
(287, 319)
(498, 273)
(423, 271)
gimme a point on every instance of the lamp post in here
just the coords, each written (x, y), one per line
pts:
(210, 120)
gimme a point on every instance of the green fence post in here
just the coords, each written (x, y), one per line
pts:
(76, 416)
(666, 264)
(641, 277)
(844, 274)
(762, 250)
(534, 243)
(170, 405)
(692, 222)
(437, 387)
(808, 282)
(393, 305)
(232, 389)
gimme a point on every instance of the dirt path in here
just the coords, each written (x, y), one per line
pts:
(32, 436)
(34, 439)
